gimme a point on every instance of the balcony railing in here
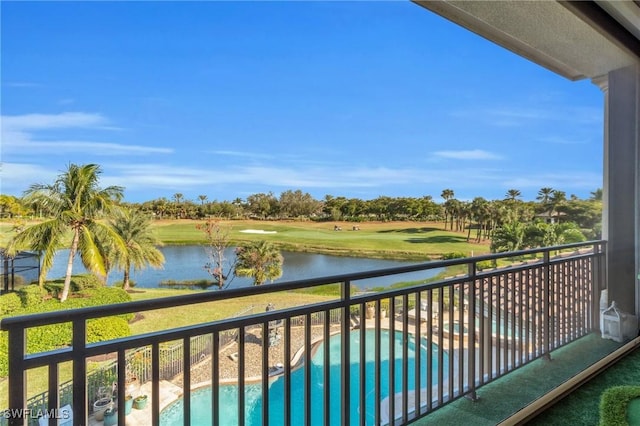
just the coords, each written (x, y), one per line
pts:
(384, 357)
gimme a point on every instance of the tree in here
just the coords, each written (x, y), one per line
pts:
(76, 203)
(557, 198)
(447, 194)
(513, 194)
(218, 240)
(298, 204)
(11, 206)
(480, 211)
(263, 205)
(140, 244)
(178, 197)
(544, 195)
(596, 195)
(202, 199)
(259, 260)
(509, 237)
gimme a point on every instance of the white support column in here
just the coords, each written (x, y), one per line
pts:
(621, 189)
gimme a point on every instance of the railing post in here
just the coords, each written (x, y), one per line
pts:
(471, 319)
(18, 394)
(79, 342)
(344, 352)
(598, 277)
(546, 305)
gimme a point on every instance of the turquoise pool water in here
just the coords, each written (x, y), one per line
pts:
(201, 400)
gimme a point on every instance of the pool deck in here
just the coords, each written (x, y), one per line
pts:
(168, 394)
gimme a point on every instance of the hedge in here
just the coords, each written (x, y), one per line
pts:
(9, 303)
(101, 329)
(54, 336)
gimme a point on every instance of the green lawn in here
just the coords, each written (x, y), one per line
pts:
(211, 311)
(410, 240)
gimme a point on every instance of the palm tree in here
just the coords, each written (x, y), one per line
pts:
(76, 202)
(140, 244)
(260, 260)
(202, 199)
(509, 237)
(557, 198)
(513, 194)
(177, 200)
(544, 195)
(596, 195)
(447, 194)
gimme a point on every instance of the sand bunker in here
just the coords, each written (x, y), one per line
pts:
(257, 231)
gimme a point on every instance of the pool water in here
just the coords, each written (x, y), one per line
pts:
(201, 400)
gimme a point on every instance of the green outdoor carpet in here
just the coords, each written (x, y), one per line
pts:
(633, 412)
(509, 394)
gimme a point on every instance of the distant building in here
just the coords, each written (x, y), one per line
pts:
(550, 216)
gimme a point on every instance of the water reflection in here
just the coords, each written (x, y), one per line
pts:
(187, 263)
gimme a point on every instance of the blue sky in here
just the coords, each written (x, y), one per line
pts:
(228, 99)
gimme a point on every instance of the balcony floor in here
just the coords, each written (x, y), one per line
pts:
(507, 395)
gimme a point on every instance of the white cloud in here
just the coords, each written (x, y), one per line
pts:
(96, 148)
(16, 177)
(27, 122)
(474, 154)
(18, 135)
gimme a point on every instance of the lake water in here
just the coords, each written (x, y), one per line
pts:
(187, 263)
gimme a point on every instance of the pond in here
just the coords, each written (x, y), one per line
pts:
(187, 263)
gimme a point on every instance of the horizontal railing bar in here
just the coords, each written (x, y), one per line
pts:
(55, 317)
(131, 342)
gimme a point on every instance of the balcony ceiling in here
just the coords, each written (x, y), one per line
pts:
(574, 39)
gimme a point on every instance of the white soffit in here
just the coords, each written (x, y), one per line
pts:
(544, 32)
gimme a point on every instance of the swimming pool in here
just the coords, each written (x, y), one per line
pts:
(495, 328)
(201, 400)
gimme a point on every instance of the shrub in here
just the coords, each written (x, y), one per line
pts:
(78, 283)
(9, 303)
(48, 337)
(453, 255)
(485, 264)
(4, 354)
(85, 281)
(31, 295)
(45, 338)
(101, 329)
(54, 288)
(100, 296)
